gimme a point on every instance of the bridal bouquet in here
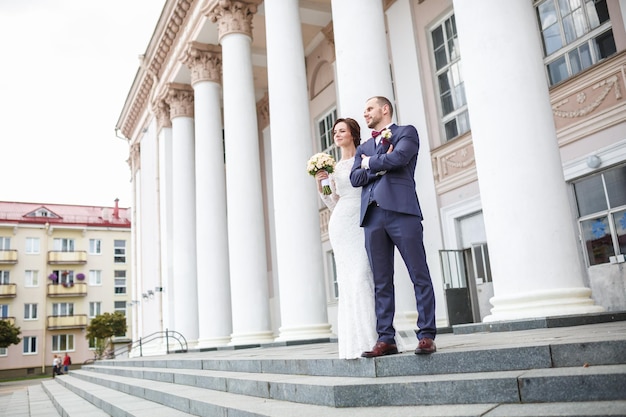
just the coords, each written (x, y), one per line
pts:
(322, 161)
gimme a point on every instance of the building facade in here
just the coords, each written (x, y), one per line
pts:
(60, 266)
(521, 172)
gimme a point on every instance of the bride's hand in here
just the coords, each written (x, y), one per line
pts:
(390, 149)
(319, 176)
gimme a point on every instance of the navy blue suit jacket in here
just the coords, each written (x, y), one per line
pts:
(395, 189)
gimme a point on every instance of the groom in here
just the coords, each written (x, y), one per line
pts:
(390, 215)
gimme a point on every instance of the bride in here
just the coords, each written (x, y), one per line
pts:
(356, 319)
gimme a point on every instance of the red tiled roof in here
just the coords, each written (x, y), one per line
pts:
(23, 213)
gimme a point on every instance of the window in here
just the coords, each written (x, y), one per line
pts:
(4, 311)
(450, 83)
(32, 245)
(95, 247)
(31, 278)
(120, 306)
(576, 34)
(601, 202)
(5, 243)
(63, 245)
(333, 274)
(93, 343)
(62, 342)
(120, 251)
(30, 344)
(325, 130)
(4, 277)
(120, 282)
(30, 311)
(62, 309)
(95, 308)
(95, 277)
(3, 351)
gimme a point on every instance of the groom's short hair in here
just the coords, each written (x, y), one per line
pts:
(381, 100)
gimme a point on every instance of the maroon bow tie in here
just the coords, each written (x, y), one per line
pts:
(376, 133)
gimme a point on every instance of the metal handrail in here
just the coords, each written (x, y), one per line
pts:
(167, 335)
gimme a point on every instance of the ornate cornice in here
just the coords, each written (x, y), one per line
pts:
(233, 16)
(204, 61)
(180, 99)
(153, 64)
(162, 114)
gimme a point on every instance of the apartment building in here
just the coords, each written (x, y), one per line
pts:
(60, 266)
(520, 109)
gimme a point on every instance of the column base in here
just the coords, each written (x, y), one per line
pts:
(310, 332)
(544, 303)
(211, 342)
(405, 320)
(251, 338)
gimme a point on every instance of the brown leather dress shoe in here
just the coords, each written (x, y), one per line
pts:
(425, 346)
(380, 349)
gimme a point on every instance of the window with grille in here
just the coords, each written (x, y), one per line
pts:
(325, 132)
(601, 203)
(576, 34)
(450, 83)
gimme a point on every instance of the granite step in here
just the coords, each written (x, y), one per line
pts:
(609, 352)
(593, 383)
(206, 402)
(89, 399)
(30, 401)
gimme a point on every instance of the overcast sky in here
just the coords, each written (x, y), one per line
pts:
(65, 71)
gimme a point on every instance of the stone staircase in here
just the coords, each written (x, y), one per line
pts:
(567, 371)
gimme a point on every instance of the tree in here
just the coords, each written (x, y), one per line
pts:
(102, 329)
(9, 334)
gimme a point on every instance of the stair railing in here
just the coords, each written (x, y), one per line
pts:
(160, 335)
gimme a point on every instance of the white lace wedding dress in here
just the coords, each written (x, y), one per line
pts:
(356, 319)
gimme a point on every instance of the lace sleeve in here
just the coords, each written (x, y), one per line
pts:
(331, 199)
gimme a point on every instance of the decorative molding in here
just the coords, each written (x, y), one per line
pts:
(180, 99)
(134, 159)
(329, 33)
(454, 164)
(611, 83)
(263, 111)
(162, 114)
(204, 61)
(590, 101)
(153, 65)
(233, 16)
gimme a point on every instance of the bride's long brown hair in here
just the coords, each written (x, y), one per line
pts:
(355, 129)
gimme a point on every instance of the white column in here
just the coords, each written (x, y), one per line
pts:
(412, 110)
(214, 308)
(246, 222)
(180, 100)
(302, 293)
(362, 60)
(164, 132)
(528, 220)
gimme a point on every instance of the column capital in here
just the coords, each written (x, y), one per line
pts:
(134, 157)
(233, 16)
(162, 114)
(180, 99)
(204, 61)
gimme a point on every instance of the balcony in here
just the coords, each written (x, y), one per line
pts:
(67, 258)
(8, 256)
(79, 289)
(8, 290)
(78, 321)
(11, 320)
